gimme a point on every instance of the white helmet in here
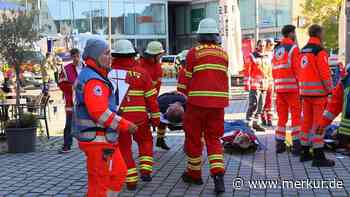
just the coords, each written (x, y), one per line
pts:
(154, 48)
(208, 26)
(123, 47)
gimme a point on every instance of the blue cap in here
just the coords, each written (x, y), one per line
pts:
(94, 48)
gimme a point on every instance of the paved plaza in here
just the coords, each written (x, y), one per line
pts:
(47, 173)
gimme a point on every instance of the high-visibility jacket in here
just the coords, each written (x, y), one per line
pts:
(285, 66)
(207, 78)
(66, 81)
(257, 68)
(93, 110)
(181, 81)
(154, 70)
(141, 97)
(314, 76)
(339, 102)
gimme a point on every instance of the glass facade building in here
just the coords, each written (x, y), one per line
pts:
(273, 14)
(173, 23)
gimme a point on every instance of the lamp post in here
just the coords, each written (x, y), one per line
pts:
(256, 20)
(347, 31)
(110, 23)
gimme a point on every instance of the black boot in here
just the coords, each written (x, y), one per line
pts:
(269, 123)
(219, 183)
(257, 127)
(188, 179)
(305, 154)
(146, 178)
(161, 143)
(320, 159)
(280, 146)
(131, 187)
(296, 148)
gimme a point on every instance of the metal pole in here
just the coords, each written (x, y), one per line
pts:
(110, 23)
(347, 32)
(256, 20)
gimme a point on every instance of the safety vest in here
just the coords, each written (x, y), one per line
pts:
(83, 127)
(344, 126)
(310, 81)
(282, 71)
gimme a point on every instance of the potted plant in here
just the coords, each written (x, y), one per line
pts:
(18, 35)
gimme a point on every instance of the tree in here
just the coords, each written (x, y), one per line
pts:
(325, 13)
(18, 34)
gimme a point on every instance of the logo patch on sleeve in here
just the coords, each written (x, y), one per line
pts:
(98, 91)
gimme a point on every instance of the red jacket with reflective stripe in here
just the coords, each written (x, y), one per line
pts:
(66, 81)
(334, 105)
(314, 76)
(285, 66)
(181, 81)
(206, 73)
(141, 97)
(256, 71)
(98, 104)
(154, 70)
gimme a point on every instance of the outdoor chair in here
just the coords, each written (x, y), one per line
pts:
(40, 110)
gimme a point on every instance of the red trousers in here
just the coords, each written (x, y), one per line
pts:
(267, 108)
(144, 140)
(207, 122)
(285, 103)
(313, 108)
(103, 174)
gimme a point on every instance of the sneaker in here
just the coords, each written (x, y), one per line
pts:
(257, 127)
(65, 150)
(188, 179)
(161, 144)
(146, 178)
(219, 183)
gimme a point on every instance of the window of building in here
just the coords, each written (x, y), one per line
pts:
(247, 8)
(150, 18)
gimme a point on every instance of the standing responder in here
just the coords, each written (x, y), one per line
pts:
(97, 125)
(151, 63)
(257, 85)
(66, 82)
(266, 115)
(315, 85)
(285, 71)
(207, 92)
(339, 103)
(140, 99)
(181, 79)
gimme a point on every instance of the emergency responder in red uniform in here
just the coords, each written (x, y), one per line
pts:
(207, 92)
(339, 103)
(257, 84)
(96, 124)
(285, 72)
(141, 98)
(181, 80)
(315, 85)
(66, 81)
(151, 63)
(266, 115)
